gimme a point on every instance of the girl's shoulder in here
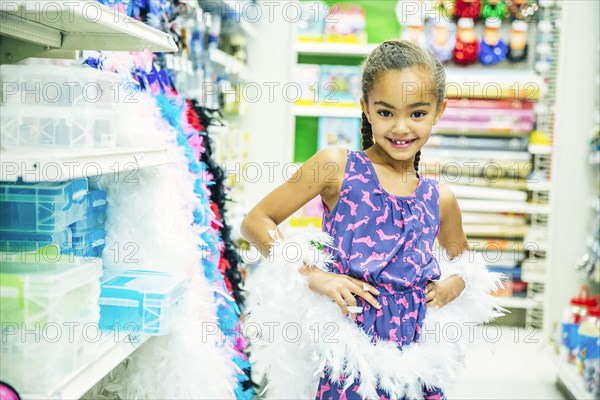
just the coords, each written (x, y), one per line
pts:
(329, 157)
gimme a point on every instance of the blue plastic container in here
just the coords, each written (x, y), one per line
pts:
(141, 301)
(95, 213)
(90, 244)
(15, 241)
(43, 206)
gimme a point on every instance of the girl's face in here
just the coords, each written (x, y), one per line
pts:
(402, 109)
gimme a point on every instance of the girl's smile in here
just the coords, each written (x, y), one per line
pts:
(402, 109)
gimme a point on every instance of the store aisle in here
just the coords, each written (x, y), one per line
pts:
(518, 369)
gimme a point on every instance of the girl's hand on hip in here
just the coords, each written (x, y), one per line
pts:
(440, 293)
(340, 288)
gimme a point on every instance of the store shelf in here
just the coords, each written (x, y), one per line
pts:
(230, 64)
(326, 111)
(35, 164)
(502, 206)
(515, 302)
(58, 28)
(539, 149)
(533, 277)
(334, 49)
(571, 381)
(539, 186)
(109, 352)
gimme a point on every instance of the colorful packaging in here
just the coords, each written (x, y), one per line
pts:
(308, 77)
(572, 316)
(345, 24)
(343, 132)
(340, 85)
(311, 26)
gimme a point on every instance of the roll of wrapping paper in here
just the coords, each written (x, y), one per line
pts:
(503, 183)
(486, 244)
(485, 127)
(492, 116)
(497, 231)
(475, 192)
(483, 168)
(481, 218)
(464, 102)
(478, 143)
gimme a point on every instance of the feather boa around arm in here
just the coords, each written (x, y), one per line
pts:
(298, 334)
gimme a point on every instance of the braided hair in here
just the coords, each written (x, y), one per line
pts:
(398, 55)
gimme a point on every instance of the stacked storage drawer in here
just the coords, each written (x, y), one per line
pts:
(63, 217)
(48, 316)
(52, 105)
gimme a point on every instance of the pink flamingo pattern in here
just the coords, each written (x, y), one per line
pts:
(385, 240)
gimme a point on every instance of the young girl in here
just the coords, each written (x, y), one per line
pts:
(383, 217)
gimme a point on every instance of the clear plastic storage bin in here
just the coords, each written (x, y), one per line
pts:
(95, 213)
(141, 301)
(42, 207)
(15, 241)
(57, 126)
(38, 290)
(56, 85)
(35, 361)
(88, 244)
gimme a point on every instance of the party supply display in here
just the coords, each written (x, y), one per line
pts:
(339, 85)
(442, 38)
(311, 26)
(414, 30)
(343, 132)
(345, 24)
(495, 9)
(307, 76)
(467, 9)
(588, 350)
(492, 49)
(517, 42)
(572, 316)
(466, 48)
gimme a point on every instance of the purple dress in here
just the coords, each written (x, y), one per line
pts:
(385, 240)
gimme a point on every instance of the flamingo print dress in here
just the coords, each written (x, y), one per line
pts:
(387, 241)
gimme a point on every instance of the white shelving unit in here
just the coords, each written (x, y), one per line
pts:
(60, 28)
(567, 374)
(230, 64)
(334, 49)
(326, 111)
(109, 352)
(39, 165)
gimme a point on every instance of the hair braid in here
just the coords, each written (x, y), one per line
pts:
(367, 133)
(417, 160)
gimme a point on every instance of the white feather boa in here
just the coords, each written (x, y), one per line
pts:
(299, 333)
(149, 226)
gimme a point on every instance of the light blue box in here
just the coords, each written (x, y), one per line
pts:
(141, 301)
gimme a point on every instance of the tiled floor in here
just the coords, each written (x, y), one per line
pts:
(519, 368)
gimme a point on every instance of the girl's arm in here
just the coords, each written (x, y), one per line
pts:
(313, 178)
(454, 241)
